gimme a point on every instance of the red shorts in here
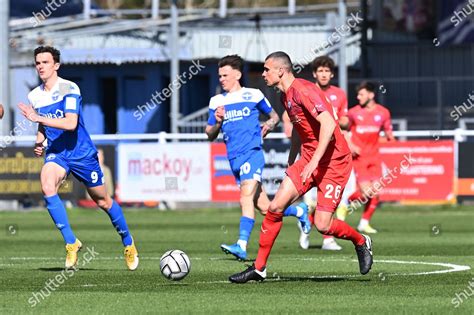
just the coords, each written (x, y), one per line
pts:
(367, 169)
(330, 181)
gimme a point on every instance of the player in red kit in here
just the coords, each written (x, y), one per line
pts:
(325, 162)
(366, 120)
(323, 71)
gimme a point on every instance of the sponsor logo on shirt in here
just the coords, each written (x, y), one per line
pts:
(367, 129)
(236, 114)
(58, 114)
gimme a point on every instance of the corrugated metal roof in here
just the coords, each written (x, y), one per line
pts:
(198, 41)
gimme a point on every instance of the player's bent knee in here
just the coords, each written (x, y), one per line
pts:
(48, 189)
(322, 227)
(274, 207)
(104, 204)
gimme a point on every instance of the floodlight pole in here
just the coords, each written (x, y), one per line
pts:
(291, 7)
(155, 9)
(342, 69)
(173, 39)
(222, 8)
(5, 125)
(87, 9)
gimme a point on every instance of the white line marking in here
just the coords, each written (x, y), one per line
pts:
(451, 268)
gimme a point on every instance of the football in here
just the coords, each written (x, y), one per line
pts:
(175, 265)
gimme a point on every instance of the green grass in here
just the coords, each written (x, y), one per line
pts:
(299, 281)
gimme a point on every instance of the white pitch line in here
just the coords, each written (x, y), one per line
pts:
(451, 267)
(454, 268)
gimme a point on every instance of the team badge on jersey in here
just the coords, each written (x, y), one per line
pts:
(55, 96)
(247, 96)
(289, 104)
(377, 118)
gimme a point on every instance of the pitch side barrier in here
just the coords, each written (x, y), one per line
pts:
(430, 167)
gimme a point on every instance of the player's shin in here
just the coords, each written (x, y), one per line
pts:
(370, 208)
(118, 220)
(341, 229)
(57, 211)
(245, 229)
(271, 227)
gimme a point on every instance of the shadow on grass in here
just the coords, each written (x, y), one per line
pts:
(313, 279)
(56, 269)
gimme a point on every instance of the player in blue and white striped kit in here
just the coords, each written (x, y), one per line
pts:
(56, 107)
(236, 113)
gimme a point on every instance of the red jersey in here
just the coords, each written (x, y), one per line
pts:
(338, 99)
(365, 127)
(304, 101)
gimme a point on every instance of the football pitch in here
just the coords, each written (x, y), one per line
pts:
(423, 260)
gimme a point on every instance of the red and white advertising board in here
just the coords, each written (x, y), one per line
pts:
(417, 171)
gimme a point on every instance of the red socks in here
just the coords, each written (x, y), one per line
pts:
(356, 195)
(341, 229)
(271, 227)
(370, 207)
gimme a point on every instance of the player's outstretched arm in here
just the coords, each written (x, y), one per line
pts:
(69, 122)
(328, 124)
(295, 146)
(270, 124)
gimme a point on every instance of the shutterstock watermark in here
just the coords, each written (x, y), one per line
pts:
(52, 284)
(459, 16)
(340, 31)
(160, 96)
(463, 295)
(382, 182)
(456, 112)
(18, 130)
(51, 6)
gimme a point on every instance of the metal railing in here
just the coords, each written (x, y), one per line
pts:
(162, 137)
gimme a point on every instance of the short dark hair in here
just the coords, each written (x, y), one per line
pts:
(369, 86)
(234, 61)
(49, 49)
(283, 57)
(323, 61)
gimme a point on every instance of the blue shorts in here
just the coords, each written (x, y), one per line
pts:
(248, 166)
(86, 170)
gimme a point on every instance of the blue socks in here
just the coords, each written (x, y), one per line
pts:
(246, 226)
(293, 211)
(57, 211)
(118, 220)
